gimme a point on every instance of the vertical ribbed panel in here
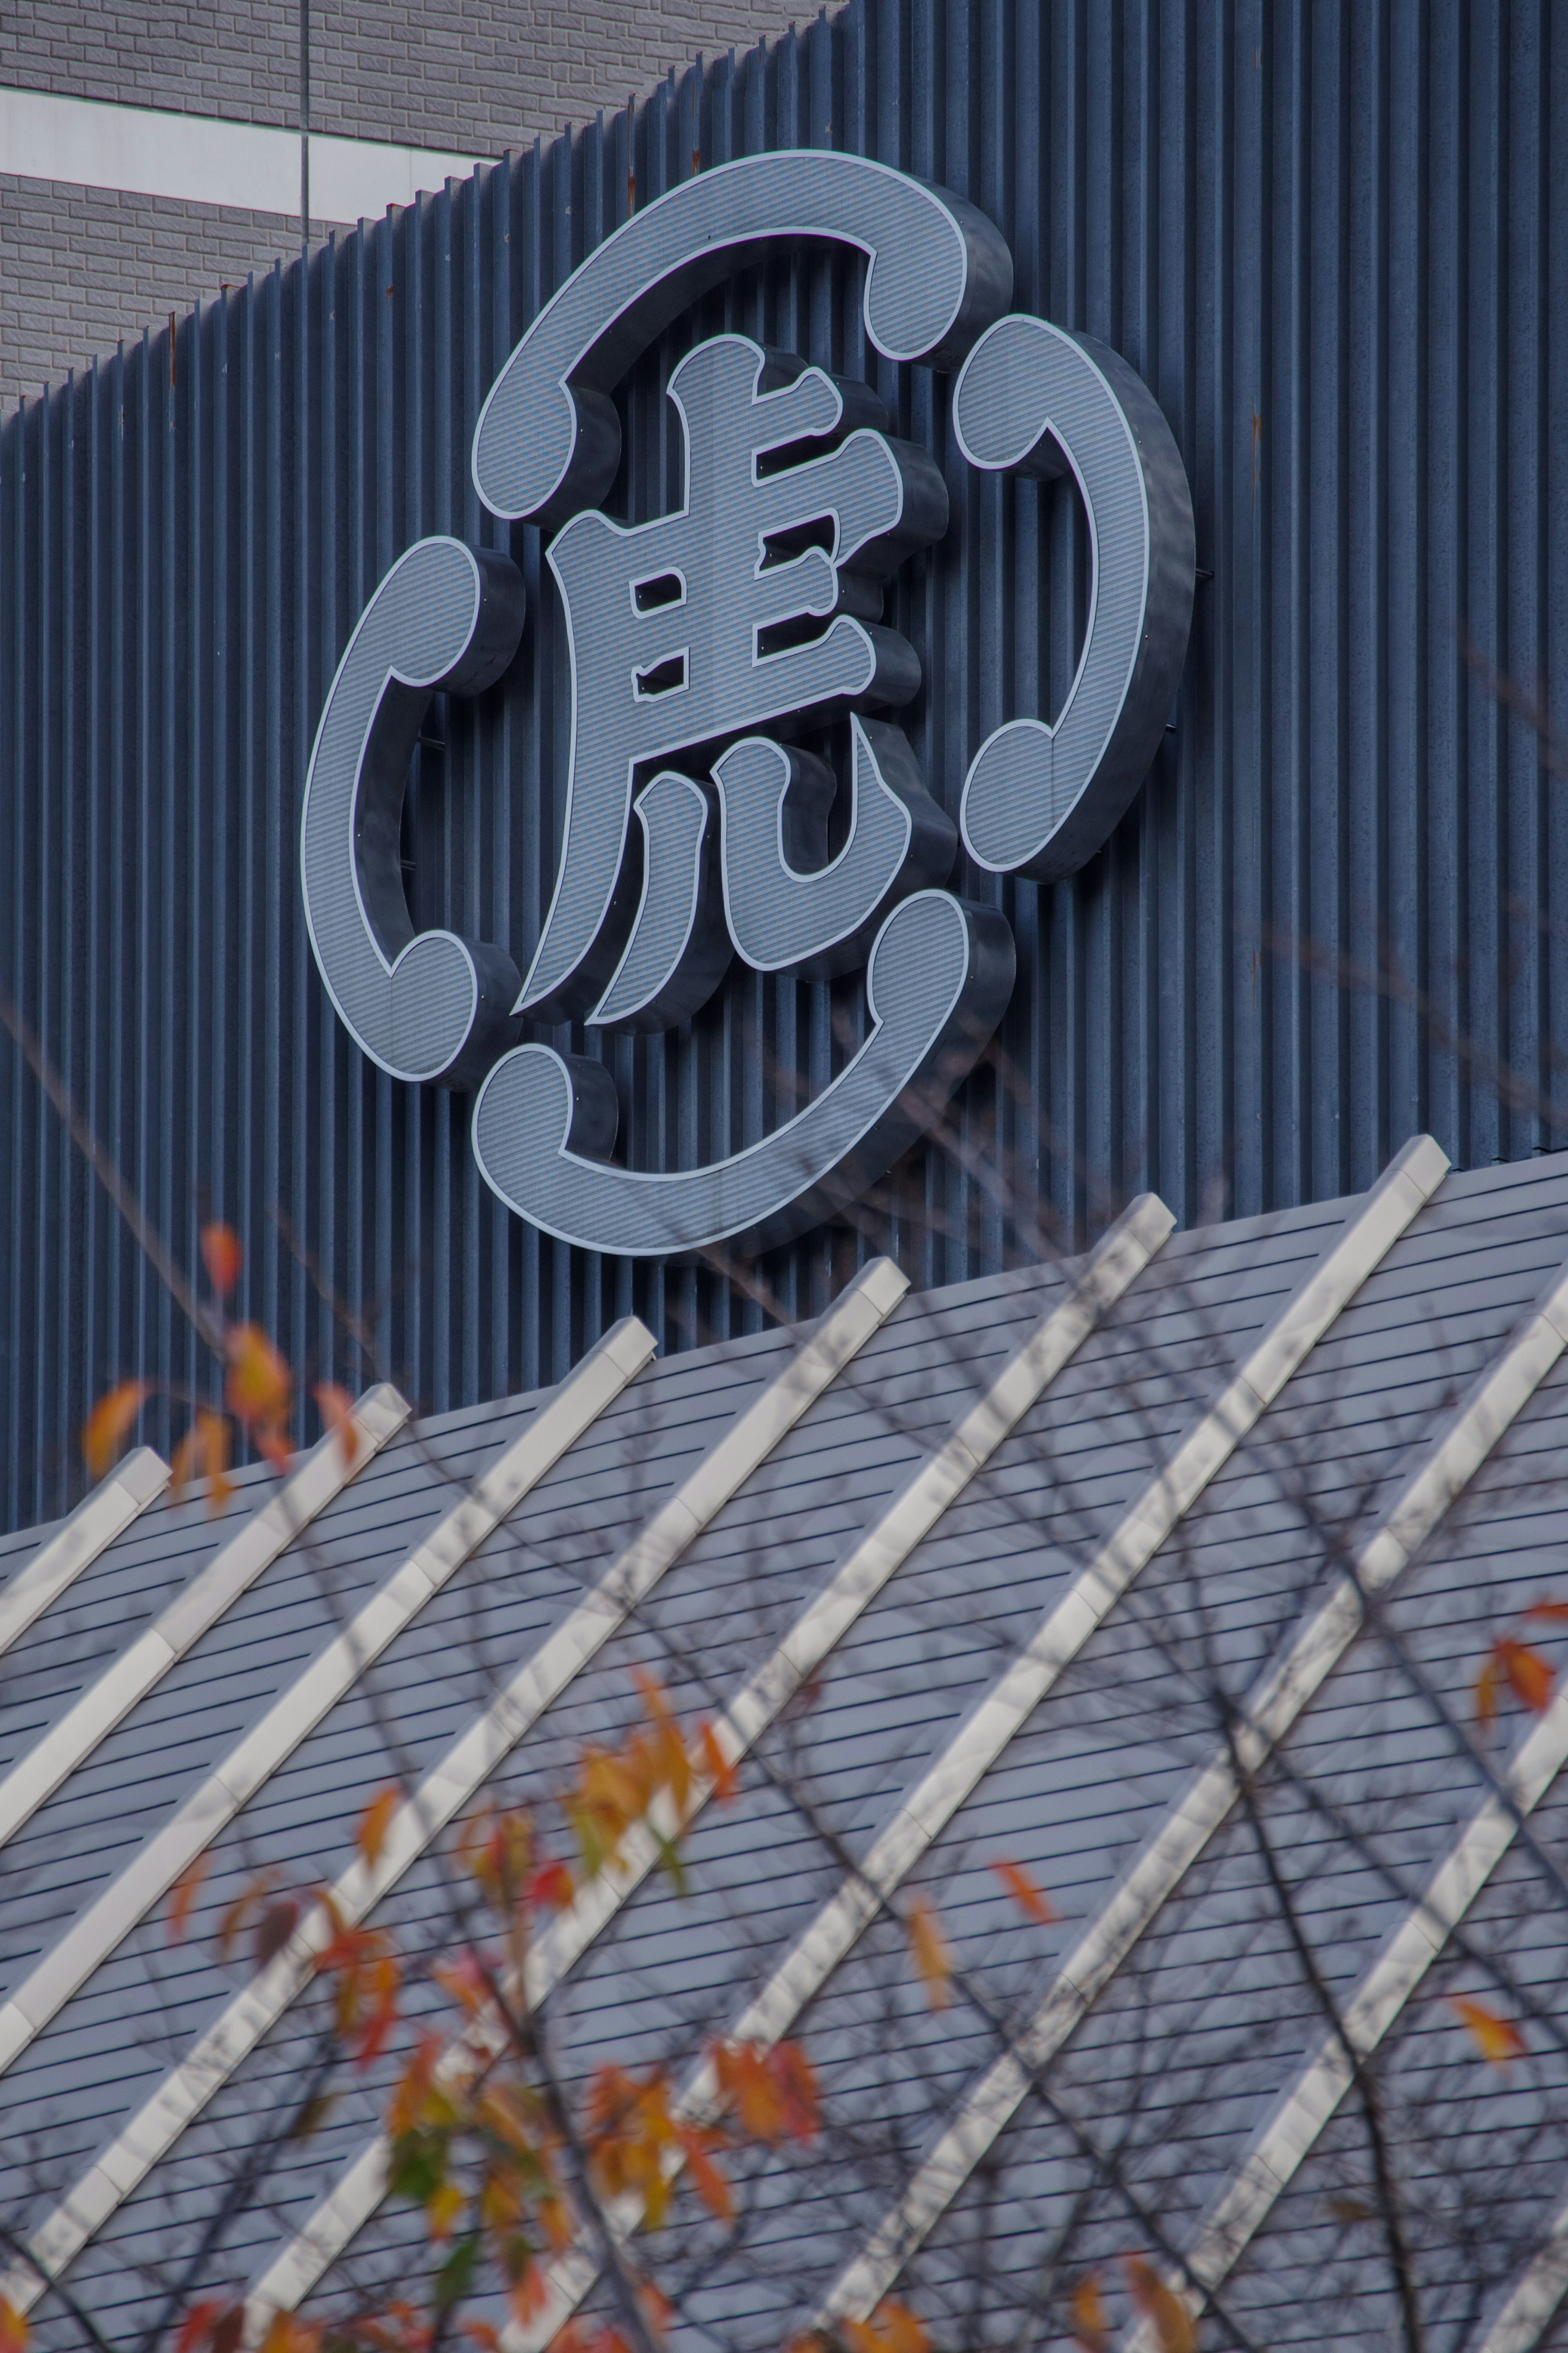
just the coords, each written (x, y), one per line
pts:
(1331, 241)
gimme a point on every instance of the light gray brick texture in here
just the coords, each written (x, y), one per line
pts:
(480, 77)
(81, 268)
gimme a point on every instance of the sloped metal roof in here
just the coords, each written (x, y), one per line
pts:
(1031, 1542)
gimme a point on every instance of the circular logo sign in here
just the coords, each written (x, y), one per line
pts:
(700, 644)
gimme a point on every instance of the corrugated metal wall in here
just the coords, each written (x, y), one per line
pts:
(1330, 239)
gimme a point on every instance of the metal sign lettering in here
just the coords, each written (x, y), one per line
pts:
(754, 606)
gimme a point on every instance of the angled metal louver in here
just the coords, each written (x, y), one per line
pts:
(326, 1471)
(1119, 1258)
(91, 1528)
(1447, 1467)
(89, 1940)
(1405, 1188)
(1534, 2297)
(849, 1322)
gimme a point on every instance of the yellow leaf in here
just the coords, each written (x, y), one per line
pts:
(1497, 2038)
(444, 2209)
(109, 1424)
(259, 1388)
(375, 1822)
(929, 1948)
(1173, 2324)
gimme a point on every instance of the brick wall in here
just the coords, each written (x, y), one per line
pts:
(81, 268)
(479, 76)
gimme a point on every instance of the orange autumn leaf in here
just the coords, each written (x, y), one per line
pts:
(109, 1424)
(706, 2179)
(892, 2328)
(336, 1411)
(287, 2333)
(203, 1453)
(15, 2327)
(259, 1388)
(1547, 1613)
(1173, 2326)
(718, 1765)
(183, 1896)
(1030, 1899)
(1086, 2311)
(1520, 1668)
(222, 1257)
(1497, 2038)
(370, 1837)
(929, 1951)
(773, 2092)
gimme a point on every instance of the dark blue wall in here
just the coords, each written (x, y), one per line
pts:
(1331, 241)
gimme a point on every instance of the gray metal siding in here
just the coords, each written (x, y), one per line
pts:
(1330, 241)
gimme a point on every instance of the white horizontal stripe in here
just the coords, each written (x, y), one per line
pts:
(202, 161)
(97, 1520)
(852, 1319)
(148, 1877)
(919, 1820)
(1121, 1254)
(232, 1571)
(1273, 1707)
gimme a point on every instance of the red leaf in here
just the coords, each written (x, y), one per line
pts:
(183, 1896)
(274, 1928)
(1554, 1613)
(222, 1257)
(550, 1888)
(198, 2323)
